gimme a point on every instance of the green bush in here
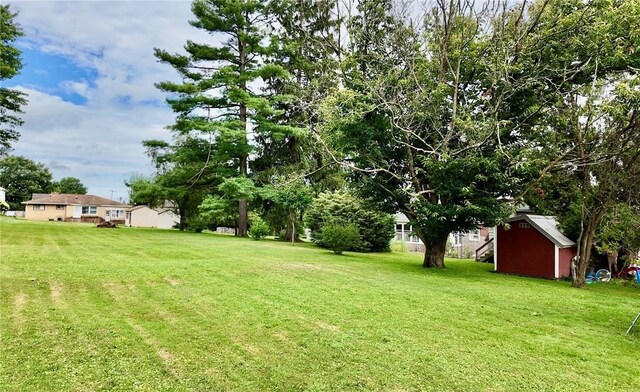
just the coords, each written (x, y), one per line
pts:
(376, 228)
(339, 238)
(259, 229)
(399, 246)
(197, 223)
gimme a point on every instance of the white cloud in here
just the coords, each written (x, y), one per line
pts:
(75, 87)
(99, 141)
(101, 146)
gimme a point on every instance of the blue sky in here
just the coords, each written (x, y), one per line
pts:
(89, 73)
(52, 73)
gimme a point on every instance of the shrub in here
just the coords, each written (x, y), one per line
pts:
(339, 238)
(376, 228)
(197, 223)
(467, 253)
(399, 246)
(259, 229)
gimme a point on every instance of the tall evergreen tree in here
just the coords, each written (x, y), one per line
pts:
(306, 35)
(220, 94)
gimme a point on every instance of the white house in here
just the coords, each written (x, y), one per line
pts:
(462, 242)
(3, 193)
(144, 216)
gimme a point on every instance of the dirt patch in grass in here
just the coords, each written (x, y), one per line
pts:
(327, 327)
(19, 303)
(282, 336)
(114, 290)
(167, 358)
(171, 281)
(246, 346)
(300, 266)
(167, 317)
(56, 289)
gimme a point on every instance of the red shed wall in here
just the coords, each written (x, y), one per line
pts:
(525, 251)
(566, 255)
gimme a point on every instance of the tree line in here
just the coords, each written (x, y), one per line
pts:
(22, 177)
(440, 110)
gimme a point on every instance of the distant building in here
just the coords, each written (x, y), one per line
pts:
(145, 216)
(463, 243)
(73, 208)
(3, 194)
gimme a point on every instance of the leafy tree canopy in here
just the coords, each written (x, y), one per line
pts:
(70, 185)
(11, 101)
(22, 177)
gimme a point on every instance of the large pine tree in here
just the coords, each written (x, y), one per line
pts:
(221, 95)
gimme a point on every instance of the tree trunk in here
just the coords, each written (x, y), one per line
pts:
(243, 221)
(585, 243)
(243, 209)
(612, 259)
(182, 213)
(183, 222)
(289, 235)
(435, 248)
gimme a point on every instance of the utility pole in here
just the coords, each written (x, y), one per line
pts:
(111, 197)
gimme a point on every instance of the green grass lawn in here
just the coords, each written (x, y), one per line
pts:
(134, 309)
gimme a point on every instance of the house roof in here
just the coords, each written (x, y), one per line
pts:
(401, 218)
(137, 207)
(167, 206)
(39, 195)
(72, 199)
(548, 226)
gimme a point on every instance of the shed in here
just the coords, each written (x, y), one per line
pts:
(532, 245)
(144, 216)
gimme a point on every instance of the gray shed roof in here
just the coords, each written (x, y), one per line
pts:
(548, 226)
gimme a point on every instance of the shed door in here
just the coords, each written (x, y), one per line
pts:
(77, 211)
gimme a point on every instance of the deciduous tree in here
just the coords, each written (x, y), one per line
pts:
(11, 100)
(431, 119)
(70, 185)
(591, 132)
(22, 177)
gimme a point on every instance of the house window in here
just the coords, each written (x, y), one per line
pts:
(474, 235)
(457, 239)
(524, 225)
(59, 207)
(115, 213)
(405, 233)
(89, 210)
(38, 207)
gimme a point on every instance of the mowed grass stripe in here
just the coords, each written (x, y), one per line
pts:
(139, 309)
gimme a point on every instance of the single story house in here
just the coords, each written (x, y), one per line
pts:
(73, 208)
(532, 245)
(145, 216)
